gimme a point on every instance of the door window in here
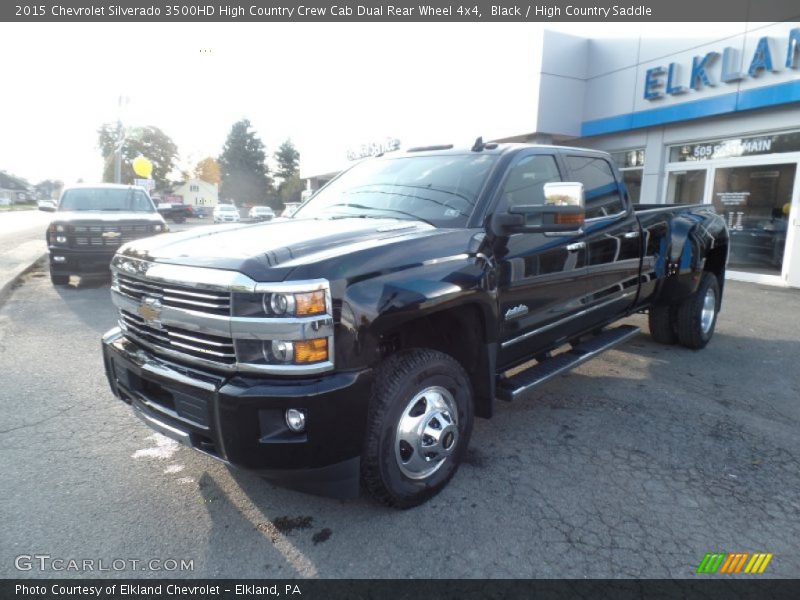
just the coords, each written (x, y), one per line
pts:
(599, 185)
(524, 184)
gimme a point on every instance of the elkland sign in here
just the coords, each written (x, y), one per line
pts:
(660, 80)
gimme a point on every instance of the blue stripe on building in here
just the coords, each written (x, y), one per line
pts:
(772, 95)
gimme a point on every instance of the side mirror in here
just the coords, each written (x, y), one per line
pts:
(564, 209)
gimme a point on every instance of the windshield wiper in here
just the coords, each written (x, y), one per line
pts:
(384, 210)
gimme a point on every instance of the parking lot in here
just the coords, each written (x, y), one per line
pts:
(634, 465)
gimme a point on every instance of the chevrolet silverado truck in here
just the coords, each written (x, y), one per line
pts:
(351, 346)
(91, 222)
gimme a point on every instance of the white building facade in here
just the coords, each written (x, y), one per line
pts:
(199, 194)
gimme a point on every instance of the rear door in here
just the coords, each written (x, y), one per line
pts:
(613, 238)
(541, 275)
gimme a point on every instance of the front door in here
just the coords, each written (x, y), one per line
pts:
(613, 240)
(540, 275)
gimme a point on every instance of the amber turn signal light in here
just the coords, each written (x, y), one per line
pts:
(310, 351)
(310, 303)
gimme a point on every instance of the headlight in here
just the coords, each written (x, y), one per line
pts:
(61, 239)
(281, 304)
(158, 227)
(278, 351)
(60, 228)
(282, 352)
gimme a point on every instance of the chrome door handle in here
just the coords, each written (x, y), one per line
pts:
(631, 234)
(576, 246)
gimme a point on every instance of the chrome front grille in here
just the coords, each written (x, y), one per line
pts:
(200, 345)
(200, 300)
(187, 314)
(109, 235)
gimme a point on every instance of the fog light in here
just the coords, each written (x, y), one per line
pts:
(59, 259)
(296, 420)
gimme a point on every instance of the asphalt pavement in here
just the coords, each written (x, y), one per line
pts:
(634, 465)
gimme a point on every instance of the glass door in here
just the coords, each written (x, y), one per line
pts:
(755, 202)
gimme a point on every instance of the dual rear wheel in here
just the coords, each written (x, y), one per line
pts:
(690, 322)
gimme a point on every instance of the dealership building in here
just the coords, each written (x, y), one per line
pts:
(694, 119)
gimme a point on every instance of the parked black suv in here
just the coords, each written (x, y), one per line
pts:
(356, 341)
(92, 222)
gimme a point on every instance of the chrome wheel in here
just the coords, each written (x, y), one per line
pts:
(709, 310)
(427, 433)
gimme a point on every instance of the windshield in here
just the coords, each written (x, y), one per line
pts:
(440, 190)
(105, 199)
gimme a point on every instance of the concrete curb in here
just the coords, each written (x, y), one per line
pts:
(10, 278)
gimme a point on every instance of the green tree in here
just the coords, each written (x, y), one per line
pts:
(245, 177)
(288, 159)
(291, 186)
(150, 142)
(291, 189)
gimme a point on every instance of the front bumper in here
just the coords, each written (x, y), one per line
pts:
(240, 419)
(69, 261)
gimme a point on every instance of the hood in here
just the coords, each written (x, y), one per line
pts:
(97, 216)
(269, 251)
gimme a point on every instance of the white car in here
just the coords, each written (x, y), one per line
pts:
(261, 213)
(226, 213)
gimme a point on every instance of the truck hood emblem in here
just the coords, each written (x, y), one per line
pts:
(517, 311)
(111, 234)
(150, 311)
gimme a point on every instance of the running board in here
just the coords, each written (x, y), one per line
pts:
(509, 388)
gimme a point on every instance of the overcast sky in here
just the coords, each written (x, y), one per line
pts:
(324, 85)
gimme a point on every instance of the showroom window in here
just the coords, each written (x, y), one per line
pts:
(631, 165)
(686, 187)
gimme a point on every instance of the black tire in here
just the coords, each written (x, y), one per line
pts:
(688, 321)
(59, 279)
(398, 380)
(661, 319)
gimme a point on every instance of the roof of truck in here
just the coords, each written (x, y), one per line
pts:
(488, 148)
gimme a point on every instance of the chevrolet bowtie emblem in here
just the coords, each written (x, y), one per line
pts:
(111, 234)
(150, 311)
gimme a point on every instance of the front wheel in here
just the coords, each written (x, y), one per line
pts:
(418, 427)
(697, 314)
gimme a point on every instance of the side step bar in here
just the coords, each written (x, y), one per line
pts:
(509, 388)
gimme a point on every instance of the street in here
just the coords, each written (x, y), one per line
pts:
(19, 227)
(634, 465)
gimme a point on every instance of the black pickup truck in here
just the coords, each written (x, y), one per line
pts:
(355, 342)
(92, 222)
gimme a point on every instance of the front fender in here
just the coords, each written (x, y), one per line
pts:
(373, 307)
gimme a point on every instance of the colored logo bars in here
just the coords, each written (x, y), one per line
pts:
(734, 562)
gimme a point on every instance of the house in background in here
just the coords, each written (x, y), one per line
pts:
(201, 195)
(14, 190)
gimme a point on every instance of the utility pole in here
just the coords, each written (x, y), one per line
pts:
(120, 140)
